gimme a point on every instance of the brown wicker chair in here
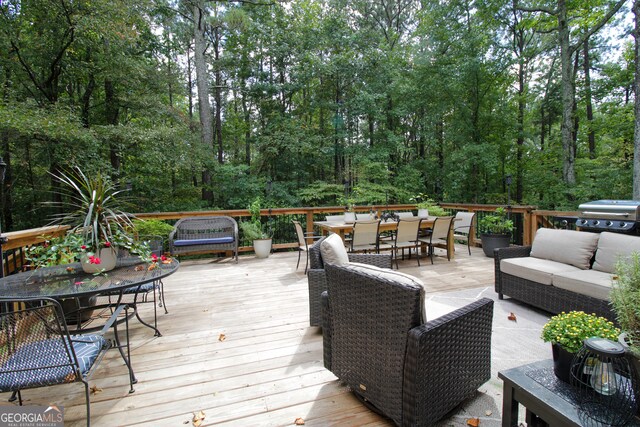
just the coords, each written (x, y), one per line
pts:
(318, 281)
(376, 342)
(204, 234)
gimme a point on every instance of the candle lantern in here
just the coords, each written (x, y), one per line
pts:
(605, 382)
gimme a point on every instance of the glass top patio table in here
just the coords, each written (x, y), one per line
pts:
(70, 281)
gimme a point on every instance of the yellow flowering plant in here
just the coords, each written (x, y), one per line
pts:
(569, 330)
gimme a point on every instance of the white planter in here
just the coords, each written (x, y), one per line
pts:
(108, 258)
(262, 248)
(423, 213)
(349, 217)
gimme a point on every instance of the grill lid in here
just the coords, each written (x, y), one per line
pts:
(611, 209)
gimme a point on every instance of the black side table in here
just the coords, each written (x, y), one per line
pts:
(548, 401)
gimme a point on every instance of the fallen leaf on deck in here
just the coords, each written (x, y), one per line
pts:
(198, 418)
(615, 277)
(473, 422)
(139, 268)
(95, 389)
(299, 422)
(222, 337)
(488, 413)
(513, 317)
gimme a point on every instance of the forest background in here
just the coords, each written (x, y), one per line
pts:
(198, 104)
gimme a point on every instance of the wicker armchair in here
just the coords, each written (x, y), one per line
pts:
(318, 281)
(410, 371)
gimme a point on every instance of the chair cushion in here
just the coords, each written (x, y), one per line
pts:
(49, 352)
(333, 251)
(208, 241)
(534, 269)
(566, 246)
(596, 284)
(611, 248)
(385, 273)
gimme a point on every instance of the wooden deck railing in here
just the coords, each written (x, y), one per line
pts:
(526, 218)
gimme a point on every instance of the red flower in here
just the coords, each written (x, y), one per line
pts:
(154, 258)
(163, 257)
(83, 247)
(94, 259)
(107, 244)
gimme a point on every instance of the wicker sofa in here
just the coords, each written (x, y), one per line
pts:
(204, 234)
(376, 341)
(563, 270)
(317, 277)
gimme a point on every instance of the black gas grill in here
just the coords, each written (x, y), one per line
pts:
(619, 216)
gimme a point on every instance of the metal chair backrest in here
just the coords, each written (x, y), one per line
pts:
(441, 227)
(463, 222)
(365, 233)
(408, 229)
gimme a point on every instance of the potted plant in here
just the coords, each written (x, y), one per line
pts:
(427, 206)
(566, 333)
(255, 231)
(349, 204)
(625, 301)
(495, 231)
(95, 214)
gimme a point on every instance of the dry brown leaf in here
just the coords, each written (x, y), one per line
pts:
(615, 277)
(198, 418)
(299, 422)
(473, 422)
(222, 337)
(139, 267)
(95, 389)
(512, 317)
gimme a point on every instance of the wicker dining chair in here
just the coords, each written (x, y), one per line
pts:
(38, 351)
(375, 340)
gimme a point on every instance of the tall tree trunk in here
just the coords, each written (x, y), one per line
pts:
(218, 95)
(520, 141)
(568, 160)
(5, 191)
(589, 101)
(204, 107)
(112, 112)
(636, 83)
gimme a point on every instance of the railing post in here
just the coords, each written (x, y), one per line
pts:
(309, 225)
(526, 228)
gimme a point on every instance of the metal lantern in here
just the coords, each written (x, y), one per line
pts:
(606, 383)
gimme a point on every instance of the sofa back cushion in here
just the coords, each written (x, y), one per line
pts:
(566, 246)
(333, 250)
(612, 247)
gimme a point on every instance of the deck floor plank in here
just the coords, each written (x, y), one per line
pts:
(267, 371)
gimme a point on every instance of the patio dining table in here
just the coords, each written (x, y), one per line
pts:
(69, 281)
(342, 228)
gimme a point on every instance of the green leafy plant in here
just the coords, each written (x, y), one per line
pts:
(55, 251)
(92, 205)
(625, 299)
(497, 223)
(423, 201)
(569, 330)
(254, 229)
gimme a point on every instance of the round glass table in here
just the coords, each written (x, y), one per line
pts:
(69, 281)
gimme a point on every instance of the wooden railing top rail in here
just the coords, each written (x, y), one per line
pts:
(18, 239)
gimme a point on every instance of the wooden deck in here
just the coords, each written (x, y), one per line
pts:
(267, 370)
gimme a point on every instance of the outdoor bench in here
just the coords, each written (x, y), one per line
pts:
(204, 234)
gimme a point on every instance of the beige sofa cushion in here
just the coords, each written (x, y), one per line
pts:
(333, 251)
(613, 246)
(534, 269)
(565, 246)
(596, 284)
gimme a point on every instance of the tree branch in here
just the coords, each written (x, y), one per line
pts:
(596, 27)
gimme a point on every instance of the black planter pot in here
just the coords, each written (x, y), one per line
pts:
(494, 241)
(562, 361)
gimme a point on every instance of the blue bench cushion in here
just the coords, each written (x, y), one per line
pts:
(208, 241)
(52, 364)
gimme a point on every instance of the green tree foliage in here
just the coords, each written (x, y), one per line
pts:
(309, 99)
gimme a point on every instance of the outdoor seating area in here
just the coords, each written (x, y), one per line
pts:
(237, 349)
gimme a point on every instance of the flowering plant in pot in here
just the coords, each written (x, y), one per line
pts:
(566, 333)
(94, 211)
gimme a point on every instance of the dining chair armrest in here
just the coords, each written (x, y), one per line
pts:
(114, 318)
(447, 360)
